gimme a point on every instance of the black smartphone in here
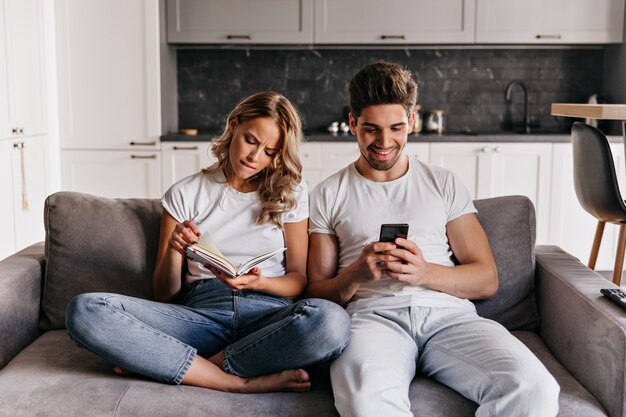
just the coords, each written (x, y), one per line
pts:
(389, 232)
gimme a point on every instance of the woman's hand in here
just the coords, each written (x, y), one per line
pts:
(184, 234)
(253, 280)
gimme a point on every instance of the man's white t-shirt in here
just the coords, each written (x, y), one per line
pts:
(352, 207)
(229, 217)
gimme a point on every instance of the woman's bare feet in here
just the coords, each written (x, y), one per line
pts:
(204, 373)
(291, 380)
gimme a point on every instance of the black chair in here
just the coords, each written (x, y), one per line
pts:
(597, 189)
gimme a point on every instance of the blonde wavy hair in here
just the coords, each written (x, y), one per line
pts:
(277, 182)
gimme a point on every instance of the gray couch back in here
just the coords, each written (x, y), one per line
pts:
(110, 245)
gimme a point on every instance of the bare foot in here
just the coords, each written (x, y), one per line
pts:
(120, 371)
(291, 380)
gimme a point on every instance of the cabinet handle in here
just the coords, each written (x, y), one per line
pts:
(497, 149)
(143, 156)
(548, 36)
(17, 130)
(185, 148)
(143, 143)
(486, 149)
(239, 37)
(386, 37)
(20, 145)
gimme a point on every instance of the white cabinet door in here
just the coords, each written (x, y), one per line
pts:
(394, 21)
(108, 66)
(311, 159)
(240, 21)
(23, 104)
(499, 169)
(23, 190)
(571, 227)
(336, 156)
(554, 21)
(181, 159)
(7, 225)
(114, 174)
(29, 172)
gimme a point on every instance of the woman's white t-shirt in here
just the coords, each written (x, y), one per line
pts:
(229, 217)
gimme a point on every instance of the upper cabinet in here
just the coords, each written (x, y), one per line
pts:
(394, 21)
(22, 92)
(240, 21)
(549, 22)
(109, 74)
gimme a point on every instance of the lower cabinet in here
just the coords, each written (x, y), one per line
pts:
(571, 227)
(181, 159)
(497, 169)
(114, 174)
(24, 190)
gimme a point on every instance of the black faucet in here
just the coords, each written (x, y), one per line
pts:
(507, 97)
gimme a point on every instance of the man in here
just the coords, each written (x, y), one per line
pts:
(408, 301)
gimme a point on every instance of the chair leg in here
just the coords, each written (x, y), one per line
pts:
(595, 248)
(619, 256)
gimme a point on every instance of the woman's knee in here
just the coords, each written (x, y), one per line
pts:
(82, 313)
(330, 324)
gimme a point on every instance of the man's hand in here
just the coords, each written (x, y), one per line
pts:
(371, 265)
(409, 265)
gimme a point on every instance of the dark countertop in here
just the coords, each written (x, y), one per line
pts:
(425, 138)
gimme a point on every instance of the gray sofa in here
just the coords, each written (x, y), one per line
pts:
(547, 298)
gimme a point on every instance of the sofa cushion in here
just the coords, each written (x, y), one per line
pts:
(96, 244)
(510, 226)
(54, 377)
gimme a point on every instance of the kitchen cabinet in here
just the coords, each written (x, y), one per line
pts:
(322, 159)
(394, 21)
(554, 21)
(497, 169)
(22, 92)
(181, 159)
(113, 174)
(571, 227)
(109, 82)
(23, 190)
(109, 96)
(240, 21)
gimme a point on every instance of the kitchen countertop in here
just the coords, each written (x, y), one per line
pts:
(425, 137)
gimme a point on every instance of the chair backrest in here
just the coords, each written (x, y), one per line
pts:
(594, 175)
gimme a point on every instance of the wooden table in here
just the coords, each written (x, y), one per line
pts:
(593, 111)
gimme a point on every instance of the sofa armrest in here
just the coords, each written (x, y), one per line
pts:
(21, 277)
(585, 331)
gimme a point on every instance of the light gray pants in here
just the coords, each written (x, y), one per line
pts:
(476, 357)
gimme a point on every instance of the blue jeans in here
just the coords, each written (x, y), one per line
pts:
(259, 333)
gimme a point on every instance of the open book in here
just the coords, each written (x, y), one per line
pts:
(206, 252)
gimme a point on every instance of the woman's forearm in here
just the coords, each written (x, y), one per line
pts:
(167, 282)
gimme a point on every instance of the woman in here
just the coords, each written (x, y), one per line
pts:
(241, 334)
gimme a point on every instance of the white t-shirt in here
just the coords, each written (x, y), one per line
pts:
(352, 207)
(229, 216)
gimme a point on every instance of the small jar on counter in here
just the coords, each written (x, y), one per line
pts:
(434, 121)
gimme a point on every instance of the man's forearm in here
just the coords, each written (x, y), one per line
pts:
(339, 289)
(470, 281)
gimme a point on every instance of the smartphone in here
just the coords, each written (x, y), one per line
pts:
(389, 232)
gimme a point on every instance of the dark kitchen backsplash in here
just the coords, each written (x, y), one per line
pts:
(468, 84)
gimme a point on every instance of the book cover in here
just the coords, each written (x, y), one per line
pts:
(206, 252)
